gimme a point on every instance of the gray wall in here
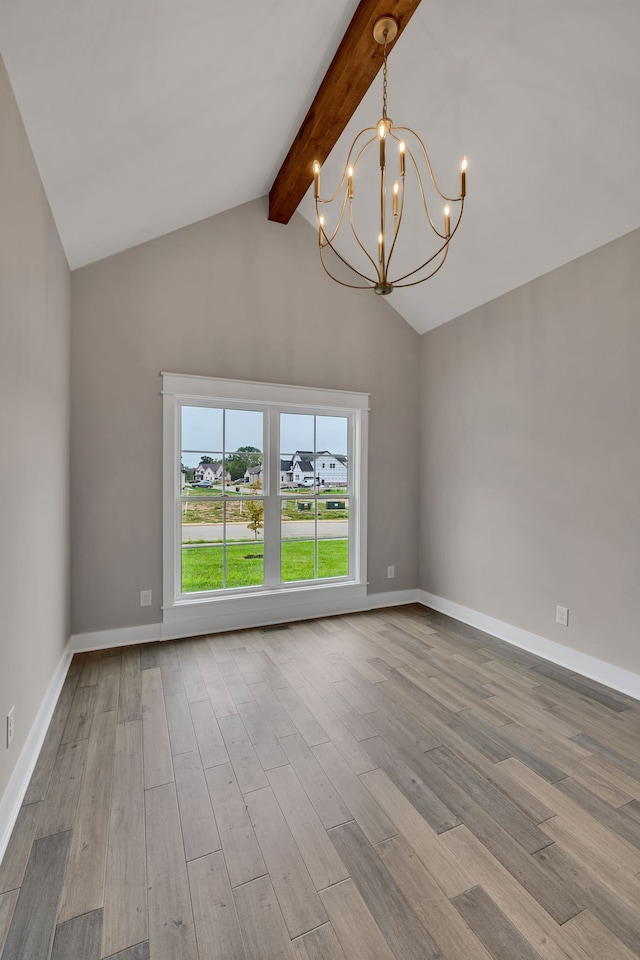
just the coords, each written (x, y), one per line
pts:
(530, 462)
(232, 296)
(34, 435)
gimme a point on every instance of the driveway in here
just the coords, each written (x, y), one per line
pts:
(239, 531)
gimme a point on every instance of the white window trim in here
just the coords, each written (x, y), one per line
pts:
(177, 388)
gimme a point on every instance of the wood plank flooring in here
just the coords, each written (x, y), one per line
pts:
(391, 785)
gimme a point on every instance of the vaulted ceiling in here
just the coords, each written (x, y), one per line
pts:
(146, 116)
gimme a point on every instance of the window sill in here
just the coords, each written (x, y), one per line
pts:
(263, 606)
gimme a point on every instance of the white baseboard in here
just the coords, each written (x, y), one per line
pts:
(119, 637)
(19, 781)
(607, 673)
(190, 626)
(393, 598)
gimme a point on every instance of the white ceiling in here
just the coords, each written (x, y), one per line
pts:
(148, 115)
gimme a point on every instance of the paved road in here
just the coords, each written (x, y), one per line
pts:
(239, 531)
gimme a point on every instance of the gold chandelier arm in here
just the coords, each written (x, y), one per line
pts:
(453, 232)
(422, 194)
(362, 149)
(445, 246)
(353, 286)
(419, 179)
(415, 283)
(348, 164)
(346, 263)
(428, 163)
(339, 223)
(354, 165)
(360, 244)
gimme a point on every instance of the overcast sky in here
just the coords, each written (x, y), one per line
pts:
(202, 432)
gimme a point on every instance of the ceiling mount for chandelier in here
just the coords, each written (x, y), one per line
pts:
(376, 264)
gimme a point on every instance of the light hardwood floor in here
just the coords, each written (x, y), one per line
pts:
(381, 786)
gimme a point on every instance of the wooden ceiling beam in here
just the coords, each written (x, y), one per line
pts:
(352, 71)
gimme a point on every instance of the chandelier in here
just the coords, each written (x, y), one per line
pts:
(375, 266)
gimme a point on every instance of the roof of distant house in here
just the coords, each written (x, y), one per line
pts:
(306, 456)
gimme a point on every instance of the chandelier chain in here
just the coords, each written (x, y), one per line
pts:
(384, 79)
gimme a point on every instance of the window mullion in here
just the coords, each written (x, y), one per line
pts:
(271, 500)
(316, 491)
(224, 505)
(177, 493)
(353, 488)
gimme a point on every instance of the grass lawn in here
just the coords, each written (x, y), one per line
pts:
(202, 566)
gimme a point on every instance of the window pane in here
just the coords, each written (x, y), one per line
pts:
(202, 567)
(243, 428)
(333, 434)
(245, 546)
(244, 473)
(201, 472)
(252, 512)
(314, 539)
(297, 432)
(333, 517)
(333, 558)
(333, 538)
(332, 438)
(298, 540)
(217, 554)
(313, 453)
(199, 514)
(243, 448)
(201, 428)
(297, 560)
(245, 565)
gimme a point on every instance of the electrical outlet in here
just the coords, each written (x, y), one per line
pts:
(11, 719)
(391, 572)
(562, 616)
(145, 598)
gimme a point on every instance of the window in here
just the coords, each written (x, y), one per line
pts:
(276, 503)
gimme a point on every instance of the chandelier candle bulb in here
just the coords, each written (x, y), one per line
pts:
(316, 179)
(447, 222)
(380, 249)
(463, 177)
